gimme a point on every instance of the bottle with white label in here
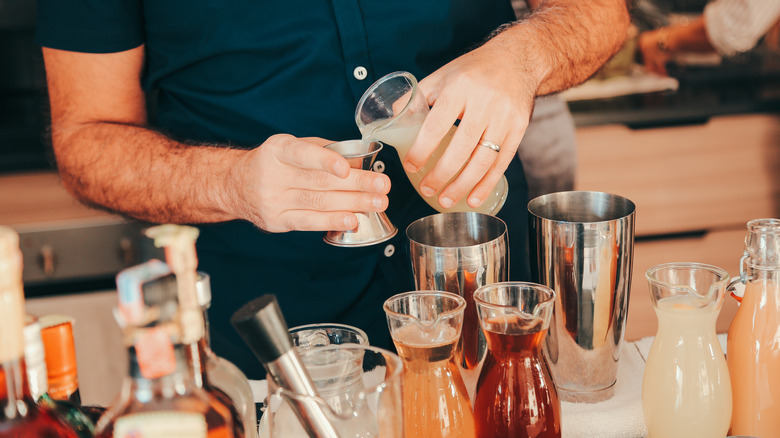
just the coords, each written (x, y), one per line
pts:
(161, 398)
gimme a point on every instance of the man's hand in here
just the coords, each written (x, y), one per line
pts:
(291, 183)
(654, 48)
(108, 157)
(491, 91)
(493, 103)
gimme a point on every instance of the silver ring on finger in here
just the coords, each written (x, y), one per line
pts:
(490, 145)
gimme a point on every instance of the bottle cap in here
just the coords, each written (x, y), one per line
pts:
(34, 358)
(129, 287)
(11, 297)
(60, 351)
(203, 288)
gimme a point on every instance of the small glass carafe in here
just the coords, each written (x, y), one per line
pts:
(425, 327)
(686, 390)
(516, 395)
(754, 338)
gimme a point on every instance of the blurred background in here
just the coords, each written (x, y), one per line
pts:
(697, 150)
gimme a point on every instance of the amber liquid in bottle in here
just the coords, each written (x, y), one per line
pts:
(434, 397)
(515, 392)
(28, 418)
(168, 399)
(222, 400)
(20, 416)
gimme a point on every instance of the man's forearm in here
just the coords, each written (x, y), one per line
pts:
(145, 175)
(563, 42)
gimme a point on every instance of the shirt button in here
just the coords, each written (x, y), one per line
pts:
(379, 166)
(389, 250)
(360, 72)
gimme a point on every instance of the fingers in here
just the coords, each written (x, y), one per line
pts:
(312, 200)
(304, 220)
(482, 159)
(312, 167)
(296, 184)
(476, 168)
(437, 124)
(487, 185)
(307, 210)
(307, 154)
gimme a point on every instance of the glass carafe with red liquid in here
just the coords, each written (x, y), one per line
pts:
(516, 395)
(426, 326)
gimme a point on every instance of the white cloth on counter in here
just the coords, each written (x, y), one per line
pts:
(618, 417)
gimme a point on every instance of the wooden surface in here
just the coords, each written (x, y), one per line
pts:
(710, 179)
(38, 197)
(687, 178)
(721, 248)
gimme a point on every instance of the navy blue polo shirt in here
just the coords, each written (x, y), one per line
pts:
(235, 72)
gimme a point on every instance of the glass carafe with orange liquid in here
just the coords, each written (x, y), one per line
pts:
(754, 335)
(516, 395)
(426, 326)
(686, 390)
(392, 111)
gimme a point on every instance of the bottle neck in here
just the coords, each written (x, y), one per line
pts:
(178, 381)
(14, 392)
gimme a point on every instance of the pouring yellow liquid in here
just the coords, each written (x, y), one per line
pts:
(402, 137)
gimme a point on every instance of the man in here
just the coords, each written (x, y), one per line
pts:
(245, 95)
(726, 27)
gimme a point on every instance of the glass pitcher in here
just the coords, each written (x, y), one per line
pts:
(516, 395)
(686, 390)
(754, 338)
(392, 111)
(307, 337)
(426, 326)
(359, 390)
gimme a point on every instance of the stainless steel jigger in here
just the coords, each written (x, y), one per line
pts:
(373, 227)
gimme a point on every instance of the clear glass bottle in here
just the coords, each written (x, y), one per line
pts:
(162, 397)
(229, 382)
(20, 416)
(686, 391)
(180, 254)
(754, 339)
(38, 382)
(425, 327)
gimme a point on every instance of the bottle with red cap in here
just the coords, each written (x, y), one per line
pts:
(20, 416)
(38, 382)
(60, 351)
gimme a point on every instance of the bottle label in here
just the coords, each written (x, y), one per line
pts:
(154, 352)
(161, 425)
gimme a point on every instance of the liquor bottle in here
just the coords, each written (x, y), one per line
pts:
(222, 374)
(161, 398)
(37, 378)
(20, 416)
(231, 387)
(60, 352)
